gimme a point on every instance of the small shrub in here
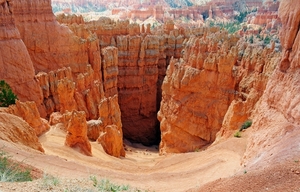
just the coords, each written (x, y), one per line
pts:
(12, 172)
(267, 40)
(241, 16)
(237, 134)
(7, 97)
(246, 125)
(48, 182)
(107, 186)
(251, 39)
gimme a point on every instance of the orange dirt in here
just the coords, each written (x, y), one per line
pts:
(142, 168)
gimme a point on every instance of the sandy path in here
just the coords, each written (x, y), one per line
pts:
(142, 168)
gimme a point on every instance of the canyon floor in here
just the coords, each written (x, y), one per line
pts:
(217, 168)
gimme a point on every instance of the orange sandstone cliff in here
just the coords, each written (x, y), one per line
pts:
(215, 86)
(275, 134)
(73, 73)
(14, 58)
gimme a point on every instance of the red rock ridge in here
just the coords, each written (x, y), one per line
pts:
(51, 46)
(15, 60)
(275, 132)
(197, 91)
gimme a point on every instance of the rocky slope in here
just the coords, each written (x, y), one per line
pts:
(276, 118)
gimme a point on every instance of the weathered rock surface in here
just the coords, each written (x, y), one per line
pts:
(52, 46)
(28, 112)
(77, 132)
(138, 75)
(109, 112)
(289, 37)
(256, 67)
(62, 92)
(275, 133)
(197, 92)
(111, 140)
(70, 19)
(16, 130)
(94, 128)
(15, 60)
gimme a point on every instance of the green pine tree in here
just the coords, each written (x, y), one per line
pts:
(7, 97)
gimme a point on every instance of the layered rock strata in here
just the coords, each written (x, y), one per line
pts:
(15, 60)
(200, 88)
(16, 130)
(256, 66)
(51, 46)
(28, 112)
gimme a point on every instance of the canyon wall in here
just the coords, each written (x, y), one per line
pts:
(51, 46)
(212, 89)
(61, 71)
(275, 132)
(14, 59)
(197, 91)
(142, 61)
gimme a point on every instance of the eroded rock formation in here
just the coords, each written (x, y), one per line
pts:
(216, 85)
(52, 46)
(14, 59)
(111, 140)
(16, 130)
(275, 134)
(197, 91)
(28, 112)
(75, 123)
(254, 71)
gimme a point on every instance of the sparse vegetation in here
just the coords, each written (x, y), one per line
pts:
(237, 134)
(48, 182)
(7, 97)
(12, 172)
(106, 185)
(246, 125)
(251, 39)
(231, 27)
(241, 16)
(267, 40)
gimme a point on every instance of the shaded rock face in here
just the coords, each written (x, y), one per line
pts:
(16, 130)
(138, 75)
(142, 60)
(197, 91)
(14, 59)
(77, 132)
(95, 127)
